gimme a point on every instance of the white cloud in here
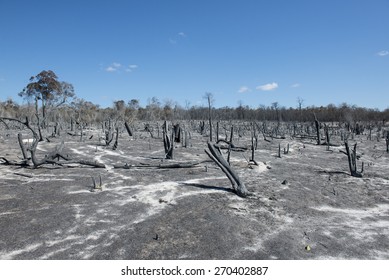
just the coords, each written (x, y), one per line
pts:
(244, 89)
(110, 69)
(296, 85)
(117, 67)
(182, 34)
(267, 87)
(171, 41)
(131, 67)
(383, 53)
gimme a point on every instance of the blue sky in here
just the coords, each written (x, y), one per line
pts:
(249, 51)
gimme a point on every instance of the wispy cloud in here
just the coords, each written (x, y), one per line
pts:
(131, 67)
(177, 38)
(267, 87)
(383, 53)
(296, 85)
(244, 89)
(111, 69)
(115, 66)
(118, 67)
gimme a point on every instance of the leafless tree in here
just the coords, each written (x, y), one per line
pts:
(209, 97)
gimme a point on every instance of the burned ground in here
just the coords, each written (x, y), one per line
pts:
(304, 205)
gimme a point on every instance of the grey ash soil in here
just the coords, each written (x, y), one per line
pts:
(145, 213)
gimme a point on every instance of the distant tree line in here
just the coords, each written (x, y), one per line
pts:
(80, 109)
(51, 101)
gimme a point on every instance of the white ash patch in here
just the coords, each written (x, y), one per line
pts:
(157, 196)
(362, 224)
(6, 197)
(379, 210)
(60, 240)
(12, 254)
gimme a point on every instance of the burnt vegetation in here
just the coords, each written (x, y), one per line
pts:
(162, 181)
(52, 111)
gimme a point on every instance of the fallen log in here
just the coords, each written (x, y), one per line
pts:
(161, 166)
(230, 145)
(23, 175)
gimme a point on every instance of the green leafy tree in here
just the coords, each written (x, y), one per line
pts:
(46, 89)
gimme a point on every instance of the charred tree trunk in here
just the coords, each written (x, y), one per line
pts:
(387, 141)
(317, 124)
(352, 160)
(253, 145)
(186, 139)
(217, 131)
(108, 137)
(230, 145)
(326, 131)
(168, 143)
(82, 131)
(236, 182)
(202, 127)
(177, 133)
(128, 129)
(115, 145)
(22, 147)
(210, 123)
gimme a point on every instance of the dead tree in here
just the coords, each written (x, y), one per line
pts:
(215, 154)
(286, 150)
(202, 127)
(253, 146)
(230, 145)
(217, 131)
(108, 136)
(128, 129)
(115, 145)
(209, 98)
(97, 186)
(387, 141)
(22, 147)
(186, 143)
(177, 133)
(51, 158)
(352, 161)
(168, 143)
(317, 124)
(326, 131)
